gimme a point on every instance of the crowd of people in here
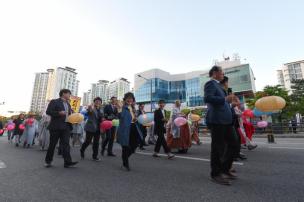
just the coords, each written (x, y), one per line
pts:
(230, 130)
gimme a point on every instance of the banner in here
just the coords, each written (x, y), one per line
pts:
(75, 103)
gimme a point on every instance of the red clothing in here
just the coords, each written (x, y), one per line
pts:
(184, 142)
(249, 129)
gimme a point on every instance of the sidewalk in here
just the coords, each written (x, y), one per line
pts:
(288, 135)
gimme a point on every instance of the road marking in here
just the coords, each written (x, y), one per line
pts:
(186, 157)
(285, 148)
(2, 164)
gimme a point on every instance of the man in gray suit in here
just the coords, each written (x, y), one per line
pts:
(219, 120)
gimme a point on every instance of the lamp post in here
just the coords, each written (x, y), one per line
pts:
(151, 101)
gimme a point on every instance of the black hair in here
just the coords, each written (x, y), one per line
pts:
(215, 68)
(225, 79)
(141, 104)
(64, 91)
(129, 95)
(113, 97)
(97, 99)
(161, 102)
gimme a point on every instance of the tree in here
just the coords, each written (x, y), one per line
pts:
(297, 96)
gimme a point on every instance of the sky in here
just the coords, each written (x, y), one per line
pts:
(108, 39)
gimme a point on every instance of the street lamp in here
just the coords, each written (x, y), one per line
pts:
(150, 89)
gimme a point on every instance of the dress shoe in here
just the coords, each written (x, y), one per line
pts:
(96, 159)
(229, 176)
(242, 156)
(142, 148)
(125, 168)
(111, 154)
(156, 155)
(70, 164)
(220, 180)
(252, 147)
(47, 165)
(171, 156)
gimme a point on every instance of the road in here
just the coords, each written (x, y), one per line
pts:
(273, 172)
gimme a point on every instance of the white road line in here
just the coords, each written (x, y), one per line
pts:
(2, 164)
(286, 148)
(186, 157)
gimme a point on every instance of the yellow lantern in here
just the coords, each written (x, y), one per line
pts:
(75, 118)
(270, 104)
(195, 117)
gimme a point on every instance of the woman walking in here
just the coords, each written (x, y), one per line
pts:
(128, 135)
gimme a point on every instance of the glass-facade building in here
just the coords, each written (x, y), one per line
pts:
(189, 87)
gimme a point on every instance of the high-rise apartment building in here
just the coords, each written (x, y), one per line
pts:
(39, 92)
(118, 88)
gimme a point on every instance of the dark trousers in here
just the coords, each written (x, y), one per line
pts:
(144, 133)
(161, 141)
(109, 140)
(223, 148)
(64, 136)
(127, 151)
(239, 143)
(89, 136)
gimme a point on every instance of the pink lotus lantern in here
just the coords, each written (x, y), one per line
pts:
(262, 124)
(21, 127)
(1, 131)
(106, 125)
(10, 127)
(180, 121)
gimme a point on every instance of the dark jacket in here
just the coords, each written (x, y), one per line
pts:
(159, 123)
(17, 123)
(94, 118)
(58, 121)
(109, 113)
(219, 111)
(1, 125)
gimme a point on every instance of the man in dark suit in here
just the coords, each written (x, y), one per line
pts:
(160, 130)
(110, 113)
(140, 111)
(59, 110)
(219, 120)
(95, 116)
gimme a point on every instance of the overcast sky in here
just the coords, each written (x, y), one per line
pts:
(107, 39)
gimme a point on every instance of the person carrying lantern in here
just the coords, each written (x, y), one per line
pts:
(92, 128)
(31, 127)
(18, 131)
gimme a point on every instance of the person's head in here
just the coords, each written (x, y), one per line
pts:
(236, 102)
(97, 102)
(177, 103)
(141, 106)
(21, 116)
(224, 82)
(65, 94)
(129, 98)
(113, 100)
(216, 72)
(161, 104)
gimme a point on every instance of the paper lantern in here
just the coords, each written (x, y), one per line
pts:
(195, 117)
(75, 118)
(1, 131)
(180, 121)
(270, 104)
(106, 125)
(115, 122)
(146, 118)
(262, 124)
(21, 127)
(257, 112)
(10, 127)
(248, 113)
(30, 121)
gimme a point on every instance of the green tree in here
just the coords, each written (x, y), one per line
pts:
(297, 96)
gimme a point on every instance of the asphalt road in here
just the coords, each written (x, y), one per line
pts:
(272, 173)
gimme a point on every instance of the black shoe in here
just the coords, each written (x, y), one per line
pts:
(70, 164)
(47, 165)
(102, 152)
(142, 148)
(96, 159)
(111, 154)
(229, 176)
(220, 180)
(155, 155)
(82, 154)
(151, 143)
(252, 147)
(17, 145)
(145, 145)
(125, 168)
(242, 157)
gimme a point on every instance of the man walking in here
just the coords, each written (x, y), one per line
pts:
(143, 129)
(59, 110)
(110, 113)
(219, 120)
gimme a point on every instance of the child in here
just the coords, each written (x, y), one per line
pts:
(77, 133)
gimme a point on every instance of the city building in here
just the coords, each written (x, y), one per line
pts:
(87, 98)
(48, 84)
(118, 88)
(100, 89)
(39, 93)
(289, 72)
(188, 87)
